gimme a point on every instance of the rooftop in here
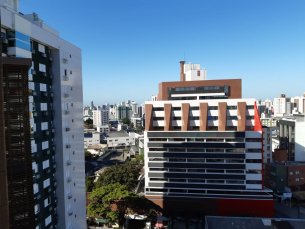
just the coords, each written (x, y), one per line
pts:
(117, 135)
(289, 163)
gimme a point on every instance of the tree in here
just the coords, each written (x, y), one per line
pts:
(140, 129)
(88, 121)
(88, 155)
(131, 125)
(110, 124)
(126, 174)
(113, 201)
(89, 184)
(90, 126)
(126, 120)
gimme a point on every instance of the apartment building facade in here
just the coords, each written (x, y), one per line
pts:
(204, 148)
(55, 136)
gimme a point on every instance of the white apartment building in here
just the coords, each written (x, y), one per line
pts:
(134, 107)
(100, 116)
(56, 101)
(282, 106)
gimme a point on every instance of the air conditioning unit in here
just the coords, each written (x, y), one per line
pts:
(70, 212)
(69, 179)
(70, 195)
(65, 61)
(69, 162)
(44, 74)
(68, 146)
(67, 112)
(66, 95)
(67, 128)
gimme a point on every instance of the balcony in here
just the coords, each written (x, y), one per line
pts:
(37, 196)
(46, 133)
(49, 209)
(70, 195)
(47, 171)
(65, 78)
(68, 146)
(43, 74)
(44, 55)
(45, 113)
(67, 128)
(4, 40)
(69, 162)
(65, 61)
(69, 179)
(46, 152)
(48, 190)
(67, 112)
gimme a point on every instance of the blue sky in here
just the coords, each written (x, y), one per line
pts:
(129, 46)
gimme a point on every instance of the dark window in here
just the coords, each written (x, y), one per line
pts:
(157, 149)
(215, 160)
(231, 117)
(196, 170)
(176, 118)
(194, 118)
(177, 160)
(250, 117)
(215, 171)
(212, 117)
(158, 118)
(250, 107)
(194, 108)
(253, 161)
(234, 140)
(213, 108)
(177, 108)
(253, 182)
(253, 139)
(158, 108)
(195, 160)
(177, 170)
(215, 150)
(232, 107)
(177, 180)
(158, 179)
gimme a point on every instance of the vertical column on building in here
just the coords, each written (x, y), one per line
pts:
(182, 75)
(185, 116)
(222, 116)
(203, 109)
(241, 116)
(167, 117)
(291, 157)
(149, 125)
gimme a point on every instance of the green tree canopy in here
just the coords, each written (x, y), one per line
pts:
(126, 174)
(88, 155)
(113, 201)
(89, 184)
(88, 121)
(140, 129)
(126, 120)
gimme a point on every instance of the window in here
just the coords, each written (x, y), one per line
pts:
(42, 67)
(297, 172)
(194, 108)
(43, 87)
(290, 173)
(70, 72)
(47, 201)
(48, 220)
(158, 108)
(232, 107)
(71, 104)
(177, 108)
(231, 117)
(176, 118)
(41, 48)
(65, 72)
(45, 145)
(37, 208)
(212, 118)
(116, 140)
(213, 108)
(43, 106)
(46, 183)
(45, 164)
(44, 125)
(250, 107)
(297, 179)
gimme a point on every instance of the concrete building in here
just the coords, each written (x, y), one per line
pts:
(204, 147)
(91, 139)
(122, 111)
(292, 135)
(270, 122)
(282, 106)
(134, 107)
(100, 116)
(54, 106)
(298, 102)
(282, 174)
(118, 138)
(267, 144)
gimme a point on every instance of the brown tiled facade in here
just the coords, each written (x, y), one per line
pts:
(222, 116)
(167, 117)
(241, 116)
(203, 109)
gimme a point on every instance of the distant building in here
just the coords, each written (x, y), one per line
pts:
(118, 138)
(292, 135)
(91, 139)
(100, 116)
(282, 173)
(282, 106)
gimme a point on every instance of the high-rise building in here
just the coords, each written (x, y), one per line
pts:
(204, 149)
(49, 167)
(100, 116)
(282, 106)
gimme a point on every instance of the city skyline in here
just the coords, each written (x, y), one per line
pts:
(129, 47)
